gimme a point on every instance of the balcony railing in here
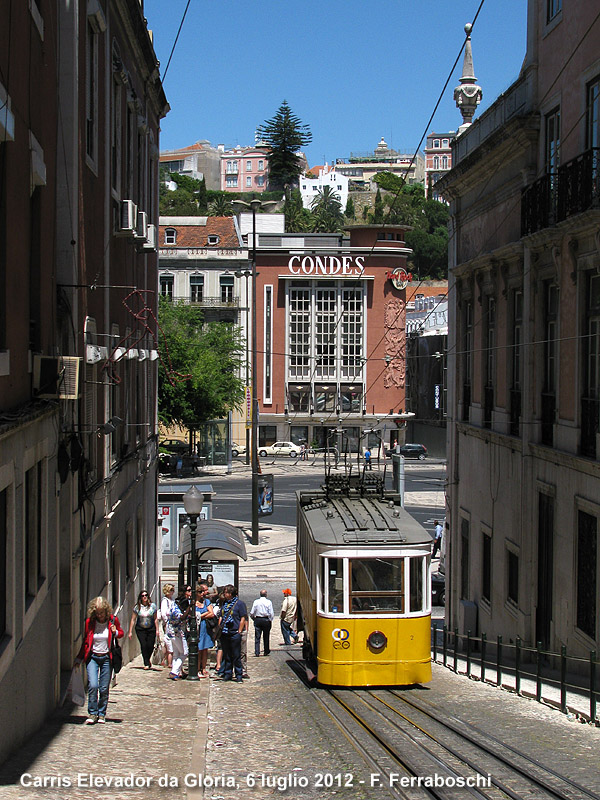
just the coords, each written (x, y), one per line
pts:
(515, 411)
(573, 188)
(488, 406)
(590, 407)
(210, 302)
(548, 405)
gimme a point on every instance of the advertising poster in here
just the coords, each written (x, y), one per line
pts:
(264, 488)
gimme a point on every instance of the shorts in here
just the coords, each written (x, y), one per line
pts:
(168, 644)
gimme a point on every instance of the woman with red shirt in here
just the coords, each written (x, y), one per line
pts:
(100, 627)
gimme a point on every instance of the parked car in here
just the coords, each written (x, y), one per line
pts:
(438, 589)
(410, 451)
(237, 450)
(174, 446)
(280, 449)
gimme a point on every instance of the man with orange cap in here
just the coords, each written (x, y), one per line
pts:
(289, 613)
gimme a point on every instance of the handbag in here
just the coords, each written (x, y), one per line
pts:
(157, 654)
(116, 654)
(212, 627)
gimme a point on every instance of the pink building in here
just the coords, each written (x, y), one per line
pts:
(244, 169)
(438, 160)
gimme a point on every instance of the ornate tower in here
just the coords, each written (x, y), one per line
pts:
(468, 95)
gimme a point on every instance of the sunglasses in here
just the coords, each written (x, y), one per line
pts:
(144, 594)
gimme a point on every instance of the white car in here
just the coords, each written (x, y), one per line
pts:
(238, 450)
(280, 449)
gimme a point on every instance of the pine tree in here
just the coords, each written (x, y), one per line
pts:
(350, 212)
(285, 134)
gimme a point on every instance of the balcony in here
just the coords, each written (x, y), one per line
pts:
(590, 407)
(572, 189)
(548, 406)
(210, 302)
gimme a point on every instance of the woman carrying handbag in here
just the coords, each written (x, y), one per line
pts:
(101, 629)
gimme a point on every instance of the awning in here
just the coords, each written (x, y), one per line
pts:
(213, 534)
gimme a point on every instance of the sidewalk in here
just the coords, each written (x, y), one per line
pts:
(155, 731)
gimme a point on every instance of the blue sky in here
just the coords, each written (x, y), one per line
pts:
(353, 70)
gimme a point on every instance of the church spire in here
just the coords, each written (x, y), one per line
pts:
(468, 95)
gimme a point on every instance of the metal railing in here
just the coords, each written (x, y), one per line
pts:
(573, 188)
(530, 671)
(212, 302)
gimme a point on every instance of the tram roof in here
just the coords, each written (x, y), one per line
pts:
(351, 520)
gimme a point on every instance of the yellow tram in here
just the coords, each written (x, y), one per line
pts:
(363, 585)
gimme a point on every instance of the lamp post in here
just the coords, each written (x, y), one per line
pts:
(246, 273)
(254, 206)
(192, 502)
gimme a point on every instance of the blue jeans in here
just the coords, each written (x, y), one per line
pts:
(286, 631)
(232, 660)
(98, 672)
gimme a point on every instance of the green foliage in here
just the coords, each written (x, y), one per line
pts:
(327, 212)
(406, 205)
(199, 366)
(189, 199)
(350, 212)
(221, 206)
(297, 218)
(378, 211)
(285, 134)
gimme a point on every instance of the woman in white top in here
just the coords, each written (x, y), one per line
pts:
(165, 606)
(144, 617)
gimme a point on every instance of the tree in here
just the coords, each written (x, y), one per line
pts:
(427, 218)
(297, 218)
(220, 206)
(199, 368)
(350, 212)
(327, 212)
(285, 134)
(189, 199)
(378, 212)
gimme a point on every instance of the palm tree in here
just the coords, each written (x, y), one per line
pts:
(220, 207)
(327, 212)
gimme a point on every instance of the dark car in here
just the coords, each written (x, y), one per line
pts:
(414, 451)
(438, 589)
(174, 446)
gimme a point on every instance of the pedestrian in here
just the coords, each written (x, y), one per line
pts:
(232, 623)
(96, 651)
(175, 632)
(437, 543)
(168, 592)
(244, 647)
(217, 606)
(368, 464)
(204, 610)
(288, 617)
(145, 619)
(262, 615)
(302, 452)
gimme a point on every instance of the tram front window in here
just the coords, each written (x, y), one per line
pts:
(377, 585)
(335, 603)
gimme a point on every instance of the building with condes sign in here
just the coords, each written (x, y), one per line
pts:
(331, 336)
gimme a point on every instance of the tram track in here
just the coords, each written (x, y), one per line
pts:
(401, 738)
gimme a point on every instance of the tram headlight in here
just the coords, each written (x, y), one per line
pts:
(377, 640)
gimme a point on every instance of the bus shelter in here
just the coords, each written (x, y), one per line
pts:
(220, 546)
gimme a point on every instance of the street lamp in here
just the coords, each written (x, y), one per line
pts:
(254, 206)
(192, 502)
(246, 273)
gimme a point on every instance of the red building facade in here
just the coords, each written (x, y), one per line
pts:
(331, 336)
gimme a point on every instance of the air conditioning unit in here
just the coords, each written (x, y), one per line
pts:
(150, 243)
(141, 228)
(95, 353)
(56, 376)
(127, 219)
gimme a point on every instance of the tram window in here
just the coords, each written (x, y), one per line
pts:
(377, 585)
(335, 569)
(416, 584)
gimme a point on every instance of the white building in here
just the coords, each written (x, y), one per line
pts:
(326, 176)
